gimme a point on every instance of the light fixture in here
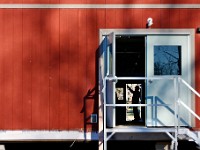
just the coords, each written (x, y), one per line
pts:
(198, 30)
(149, 22)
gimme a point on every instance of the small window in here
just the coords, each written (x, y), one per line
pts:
(167, 60)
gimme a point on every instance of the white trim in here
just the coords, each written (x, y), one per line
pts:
(148, 32)
(103, 32)
(99, 6)
(39, 135)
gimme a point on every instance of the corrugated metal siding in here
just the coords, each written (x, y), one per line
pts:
(48, 60)
(99, 2)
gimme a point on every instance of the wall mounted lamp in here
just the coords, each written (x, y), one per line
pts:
(149, 22)
(198, 30)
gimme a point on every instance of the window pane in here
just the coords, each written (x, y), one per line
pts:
(167, 60)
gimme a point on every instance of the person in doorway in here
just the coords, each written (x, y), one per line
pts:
(135, 100)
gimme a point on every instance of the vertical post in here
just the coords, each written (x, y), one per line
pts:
(155, 110)
(176, 118)
(104, 118)
(178, 101)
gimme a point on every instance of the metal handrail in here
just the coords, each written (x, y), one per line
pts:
(177, 100)
(189, 109)
(195, 92)
(135, 105)
(190, 87)
(140, 78)
(114, 78)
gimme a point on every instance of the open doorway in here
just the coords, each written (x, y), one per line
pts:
(130, 62)
(139, 53)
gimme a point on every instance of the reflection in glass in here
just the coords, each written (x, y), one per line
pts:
(167, 60)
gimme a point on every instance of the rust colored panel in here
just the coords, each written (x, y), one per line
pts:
(7, 47)
(17, 69)
(124, 1)
(101, 16)
(82, 80)
(36, 68)
(73, 1)
(69, 1)
(195, 23)
(82, 60)
(119, 15)
(179, 1)
(31, 1)
(197, 75)
(192, 15)
(27, 68)
(54, 60)
(136, 18)
(95, 2)
(75, 87)
(89, 107)
(6, 68)
(54, 1)
(82, 2)
(11, 1)
(44, 68)
(92, 43)
(166, 1)
(64, 69)
(165, 13)
(127, 18)
(36, 1)
(124, 18)
(174, 18)
(110, 18)
(99, 2)
(185, 18)
(184, 2)
(151, 1)
(91, 62)
(1, 71)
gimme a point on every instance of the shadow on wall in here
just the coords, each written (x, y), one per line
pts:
(90, 105)
(89, 109)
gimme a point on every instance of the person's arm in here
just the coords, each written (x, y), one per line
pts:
(130, 89)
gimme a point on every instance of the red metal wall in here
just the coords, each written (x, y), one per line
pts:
(99, 1)
(48, 59)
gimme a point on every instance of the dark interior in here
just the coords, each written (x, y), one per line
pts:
(130, 62)
(130, 56)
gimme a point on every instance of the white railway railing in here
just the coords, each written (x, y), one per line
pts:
(177, 80)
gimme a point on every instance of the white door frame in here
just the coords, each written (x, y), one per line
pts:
(191, 44)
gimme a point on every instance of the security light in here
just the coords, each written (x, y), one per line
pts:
(149, 22)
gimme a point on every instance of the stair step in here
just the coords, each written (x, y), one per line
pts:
(141, 137)
(140, 129)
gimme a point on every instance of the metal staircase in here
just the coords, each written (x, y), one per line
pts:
(175, 133)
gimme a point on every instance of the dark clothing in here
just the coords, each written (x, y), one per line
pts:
(136, 97)
(135, 100)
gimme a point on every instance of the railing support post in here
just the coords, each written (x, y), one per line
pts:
(104, 118)
(177, 81)
(176, 102)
